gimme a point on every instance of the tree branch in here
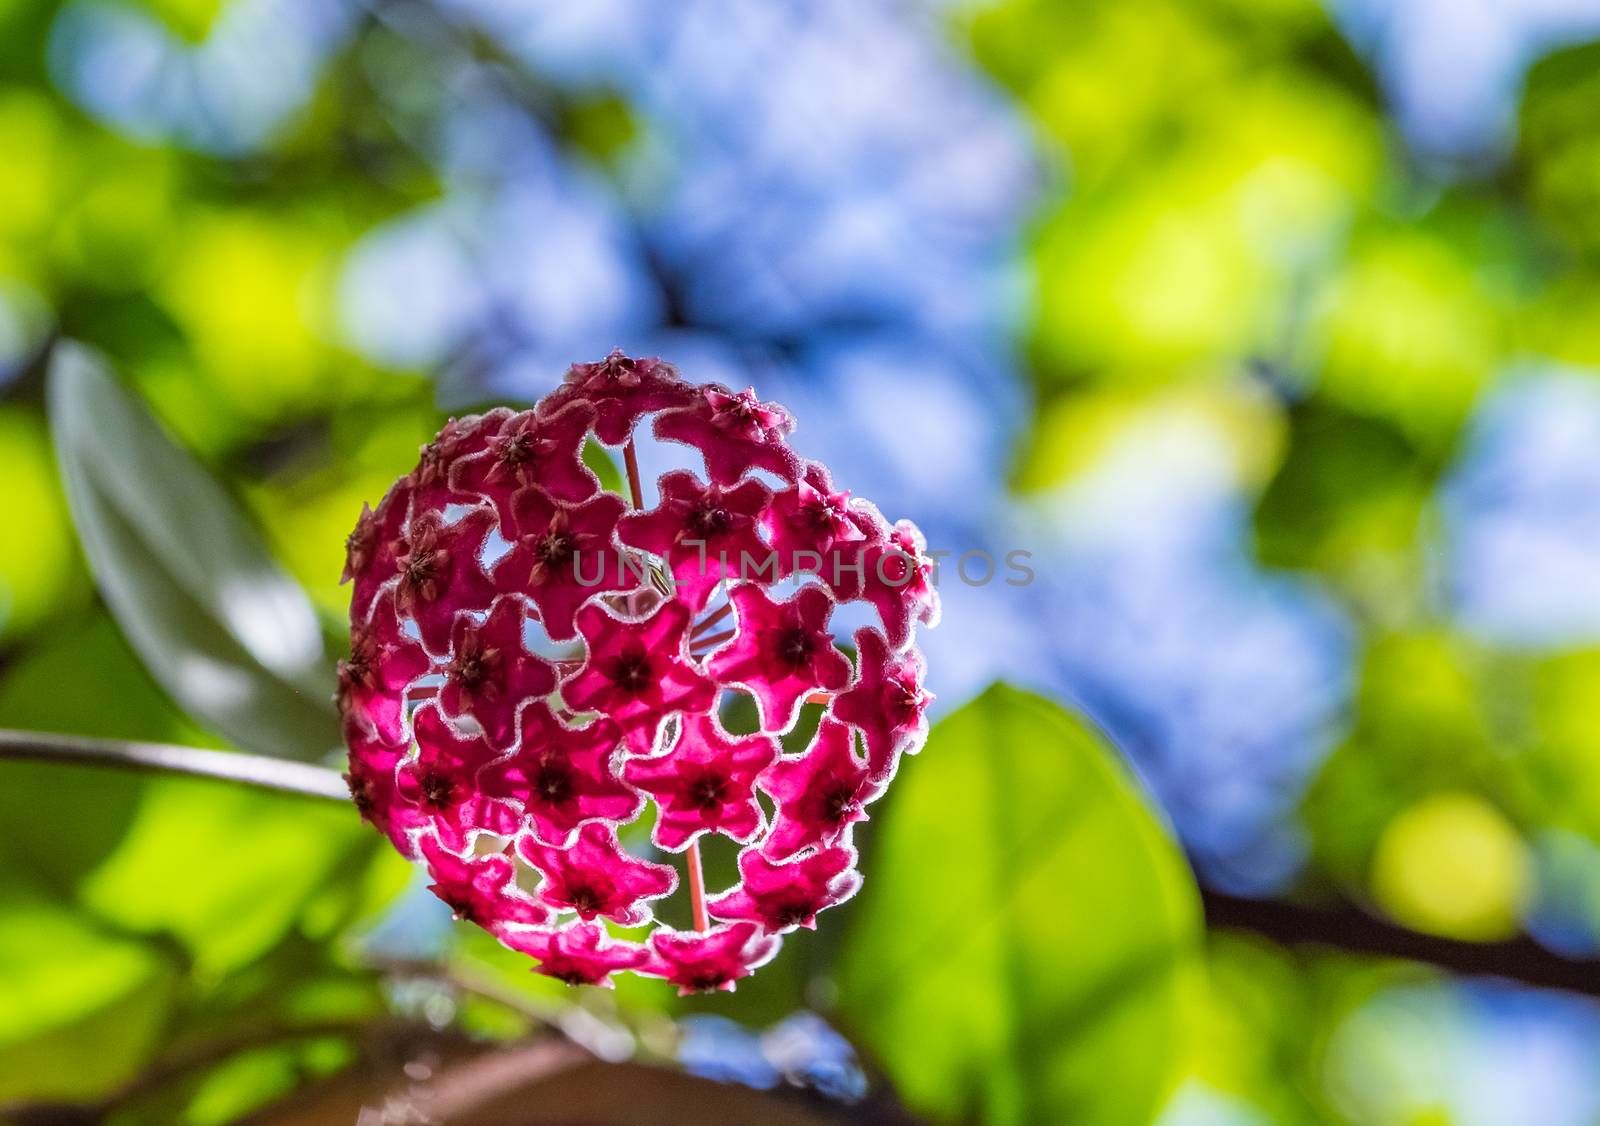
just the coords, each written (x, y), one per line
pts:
(1341, 926)
(164, 758)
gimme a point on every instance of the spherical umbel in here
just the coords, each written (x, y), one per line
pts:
(513, 776)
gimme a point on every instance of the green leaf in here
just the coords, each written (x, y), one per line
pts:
(223, 628)
(1027, 933)
(82, 1008)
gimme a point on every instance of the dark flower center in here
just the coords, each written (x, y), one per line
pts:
(710, 520)
(820, 515)
(586, 897)
(792, 910)
(516, 450)
(708, 791)
(793, 646)
(570, 975)
(552, 782)
(357, 670)
(703, 978)
(437, 789)
(615, 366)
(472, 666)
(461, 907)
(903, 699)
(420, 572)
(837, 801)
(555, 547)
(631, 672)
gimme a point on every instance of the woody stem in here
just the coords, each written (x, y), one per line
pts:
(630, 459)
(697, 879)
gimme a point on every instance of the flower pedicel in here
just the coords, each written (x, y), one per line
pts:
(510, 774)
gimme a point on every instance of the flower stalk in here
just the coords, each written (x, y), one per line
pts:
(697, 878)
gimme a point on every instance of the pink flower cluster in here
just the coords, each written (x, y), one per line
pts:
(510, 773)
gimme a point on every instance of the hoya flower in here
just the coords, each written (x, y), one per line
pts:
(490, 672)
(439, 787)
(480, 889)
(782, 651)
(579, 953)
(621, 391)
(638, 672)
(782, 896)
(370, 550)
(595, 877)
(657, 618)
(887, 702)
(820, 793)
(704, 532)
(563, 554)
(735, 432)
(375, 790)
(440, 569)
(810, 523)
(699, 962)
(705, 784)
(529, 450)
(897, 578)
(382, 662)
(461, 438)
(559, 776)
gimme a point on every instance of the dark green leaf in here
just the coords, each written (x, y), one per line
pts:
(222, 627)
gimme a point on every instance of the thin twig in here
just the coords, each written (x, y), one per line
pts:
(165, 758)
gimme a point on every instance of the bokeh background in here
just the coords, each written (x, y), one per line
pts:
(1271, 329)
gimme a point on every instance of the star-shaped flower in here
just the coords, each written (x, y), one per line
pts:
(460, 438)
(705, 783)
(371, 548)
(441, 572)
(887, 702)
(375, 790)
(382, 664)
(561, 777)
(595, 877)
(578, 953)
(699, 962)
(564, 554)
(636, 672)
(528, 449)
(439, 786)
(490, 671)
(781, 652)
(810, 523)
(735, 432)
(897, 577)
(621, 390)
(703, 532)
(480, 889)
(782, 896)
(820, 793)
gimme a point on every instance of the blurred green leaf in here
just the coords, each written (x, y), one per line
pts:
(44, 691)
(82, 1007)
(225, 870)
(40, 570)
(1023, 945)
(222, 627)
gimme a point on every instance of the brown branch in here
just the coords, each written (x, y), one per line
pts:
(1346, 927)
